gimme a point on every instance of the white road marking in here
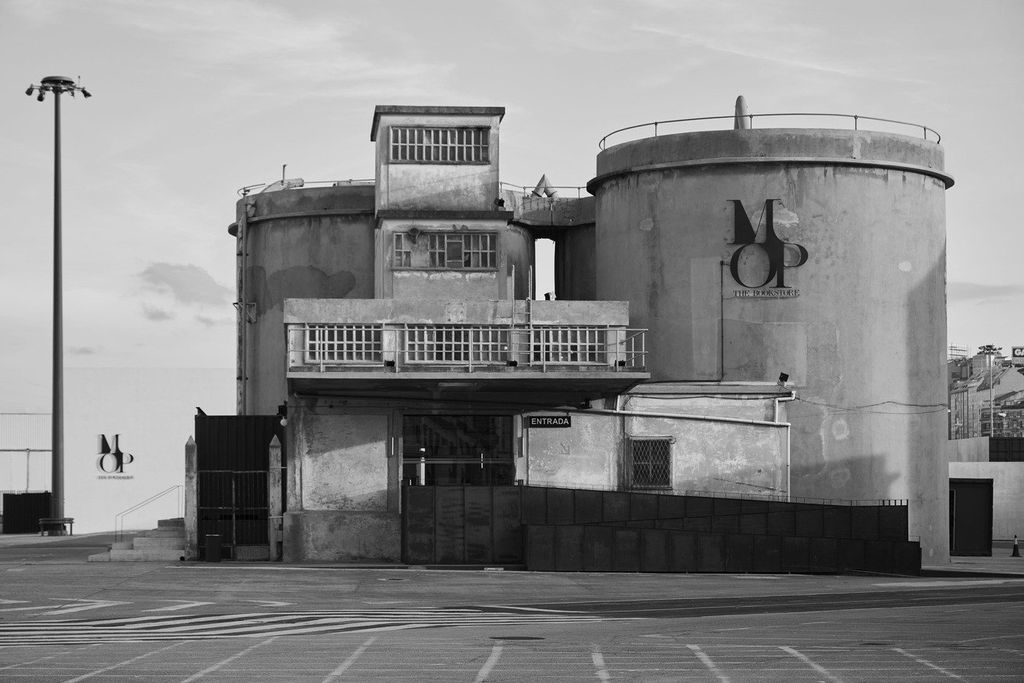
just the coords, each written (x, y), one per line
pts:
(105, 669)
(270, 603)
(343, 667)
(186, 604)
(598, 659)
(706, 661)
(927, 663)
(42, 659)
(946, 584)
(807, 660)
(224, 662)
(91, 604)
(485, 670)
(533, 609)
(10, 602)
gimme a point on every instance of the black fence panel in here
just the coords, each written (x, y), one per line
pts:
(22, 512)
(1006, 449)
(579, 530)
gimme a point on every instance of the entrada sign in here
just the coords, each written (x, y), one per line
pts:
(548, 421)
(775, 248)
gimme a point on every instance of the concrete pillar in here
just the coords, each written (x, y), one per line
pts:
(275, 523)
(191, 497)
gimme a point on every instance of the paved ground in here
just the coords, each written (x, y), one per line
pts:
(62, 619)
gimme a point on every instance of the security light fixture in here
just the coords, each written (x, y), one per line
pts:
(783, 378)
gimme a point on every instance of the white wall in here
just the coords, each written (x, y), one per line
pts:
(153, 411)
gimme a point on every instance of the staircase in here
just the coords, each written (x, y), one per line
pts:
(165, 543)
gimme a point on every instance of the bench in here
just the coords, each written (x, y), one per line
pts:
(51, 524)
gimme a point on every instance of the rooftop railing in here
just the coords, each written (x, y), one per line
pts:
(856, 120)
(296, 183)
(322, 347)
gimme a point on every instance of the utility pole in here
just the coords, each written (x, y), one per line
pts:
(57, 85)
(990, 351)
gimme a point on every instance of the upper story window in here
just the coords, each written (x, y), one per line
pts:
(446, 250)
(440, 145)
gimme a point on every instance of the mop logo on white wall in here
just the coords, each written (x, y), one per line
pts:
(112, 460)
(779, 254)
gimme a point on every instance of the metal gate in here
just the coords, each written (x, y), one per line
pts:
(232, 457)
(233, 505)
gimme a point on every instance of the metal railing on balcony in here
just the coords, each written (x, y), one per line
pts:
(417, 347)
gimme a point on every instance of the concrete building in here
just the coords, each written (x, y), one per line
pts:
(737, 311)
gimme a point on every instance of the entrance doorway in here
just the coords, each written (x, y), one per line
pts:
(970, 516)
(458, 450)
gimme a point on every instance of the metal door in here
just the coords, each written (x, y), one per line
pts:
(232, 457)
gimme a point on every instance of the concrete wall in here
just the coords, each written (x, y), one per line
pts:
(863, 341)
(436, 187)
(514, 247)
(586, 455)
(455, 311)
(968, 450)
(575, 264)
(316, 243)
(707, 456)
(342, 486)
(1007, 493)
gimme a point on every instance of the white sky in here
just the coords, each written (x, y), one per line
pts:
(193, 100)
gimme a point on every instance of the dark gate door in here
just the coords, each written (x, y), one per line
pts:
(232, 455)
(970, 516)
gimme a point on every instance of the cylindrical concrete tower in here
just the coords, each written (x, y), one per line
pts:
(314, 243)
(819, 254)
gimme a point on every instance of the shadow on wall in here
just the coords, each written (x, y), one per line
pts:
(298, 282)
(855, 477)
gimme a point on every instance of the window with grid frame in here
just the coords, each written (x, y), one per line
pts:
(462, 251)
(403, 250)
(650, 463)
(414, 144)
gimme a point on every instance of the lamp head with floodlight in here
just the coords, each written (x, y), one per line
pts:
(57, 85)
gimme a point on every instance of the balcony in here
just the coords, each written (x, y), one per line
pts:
(535, 363)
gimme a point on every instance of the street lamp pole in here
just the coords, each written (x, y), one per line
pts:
(990, 351)
(57, 85)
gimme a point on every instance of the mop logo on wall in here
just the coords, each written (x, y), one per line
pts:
(768, 259)
(112, 460)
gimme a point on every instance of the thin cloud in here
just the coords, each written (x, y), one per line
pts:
(188, 284)
(155, 314)
(207, 321)
(82, 350)
(271, 48)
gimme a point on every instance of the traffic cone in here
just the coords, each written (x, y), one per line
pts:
(1016, 550)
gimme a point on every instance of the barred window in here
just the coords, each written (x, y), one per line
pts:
(462, 250)
(651, 463)
(440, 145)
(403, 251)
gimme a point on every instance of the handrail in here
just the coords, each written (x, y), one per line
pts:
(856, 119)
(529, 189)
(119, 517)
(245, 190)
